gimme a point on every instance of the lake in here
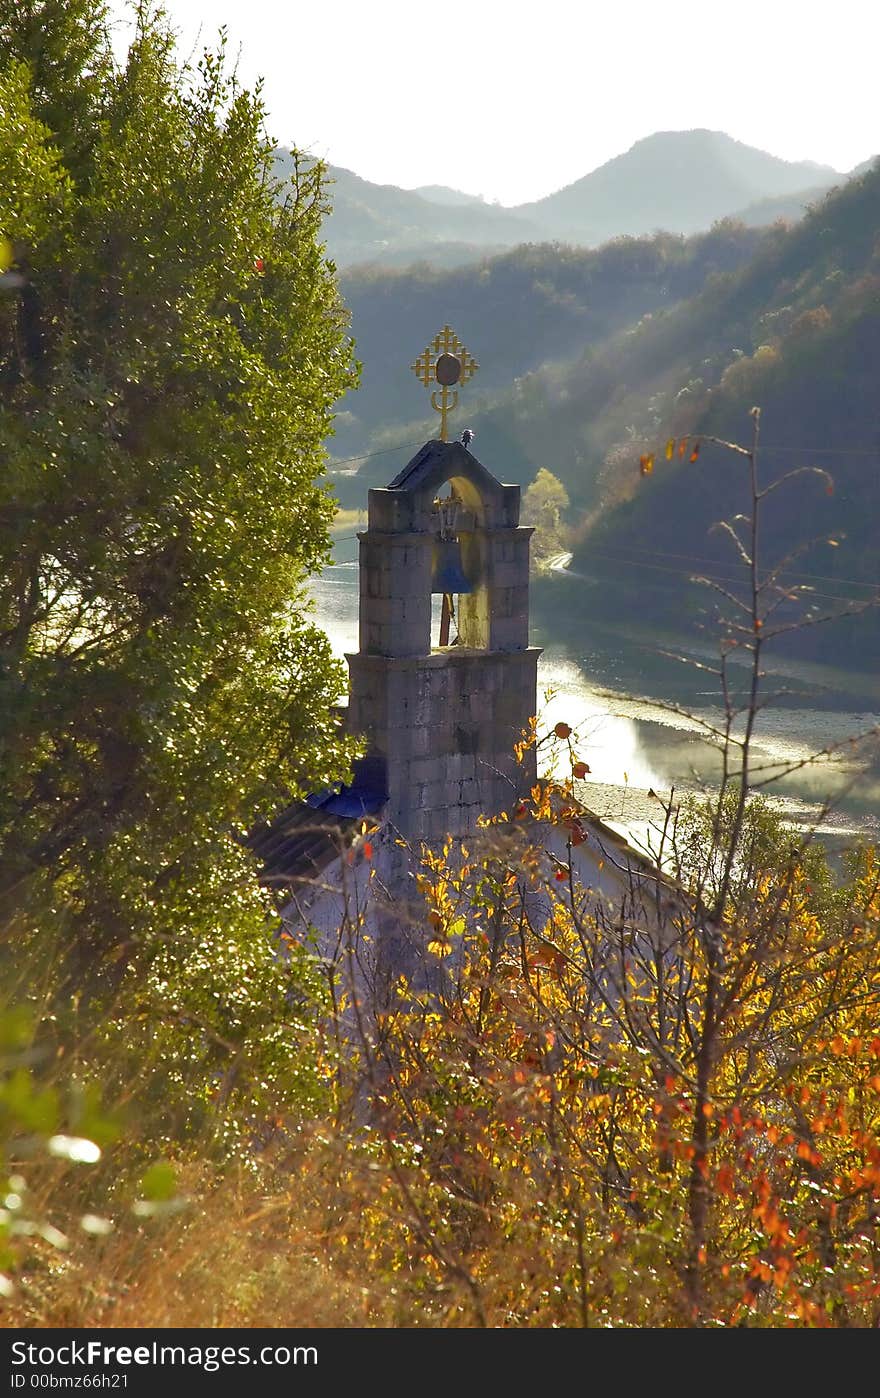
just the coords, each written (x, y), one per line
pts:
(637, 712)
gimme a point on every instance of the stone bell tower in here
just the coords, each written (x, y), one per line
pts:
(442, 714)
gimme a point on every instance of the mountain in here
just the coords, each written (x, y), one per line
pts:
(379, 222)
(681, 181)
(677, 181)
(442, 194)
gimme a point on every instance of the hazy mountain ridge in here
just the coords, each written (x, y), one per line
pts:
(442, 194)
(371, 222)
(681, 181)
(677, 181)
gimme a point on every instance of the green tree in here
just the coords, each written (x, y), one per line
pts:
(169, 356)
(544, 503)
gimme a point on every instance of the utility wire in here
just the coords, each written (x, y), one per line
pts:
(365, 455)
(719, 563)
(716, 576)
(688, 572)
(687, 558)
(766, 447)
(720, 573)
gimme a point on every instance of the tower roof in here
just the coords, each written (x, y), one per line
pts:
(409, 496)
(436, 461)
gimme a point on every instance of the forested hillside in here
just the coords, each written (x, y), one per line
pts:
(798, 332)
(589, 359)
(535, 304)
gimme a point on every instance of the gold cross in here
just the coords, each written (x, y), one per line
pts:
(424, 368)
(457, 367)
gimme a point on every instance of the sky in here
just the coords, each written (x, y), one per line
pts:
(514, 100)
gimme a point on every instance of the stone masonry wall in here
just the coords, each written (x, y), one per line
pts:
(447, 724)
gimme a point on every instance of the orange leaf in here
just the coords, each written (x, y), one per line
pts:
(682, 447)
(696, 451)
(646, 464)
(670, 448)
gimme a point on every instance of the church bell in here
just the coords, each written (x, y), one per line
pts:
(449, 575)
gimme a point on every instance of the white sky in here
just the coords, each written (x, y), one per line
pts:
(513, 100)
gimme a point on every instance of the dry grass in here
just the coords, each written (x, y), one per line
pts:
(237, 1255)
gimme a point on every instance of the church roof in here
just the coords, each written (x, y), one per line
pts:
(306, 836)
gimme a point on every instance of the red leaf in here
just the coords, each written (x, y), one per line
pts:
(562, 730)
(696, 451)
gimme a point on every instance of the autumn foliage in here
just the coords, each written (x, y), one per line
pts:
(566, 1137)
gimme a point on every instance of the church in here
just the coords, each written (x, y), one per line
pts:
(441, 695)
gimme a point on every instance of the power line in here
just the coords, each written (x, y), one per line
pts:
(687, 572)
(732, 563)
(365, 455)
(821, 451)
(765, 447)
(655, 553)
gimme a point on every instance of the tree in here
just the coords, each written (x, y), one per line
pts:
(544, 503)
(169, 357)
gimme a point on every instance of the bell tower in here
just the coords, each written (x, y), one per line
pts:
(442, 713)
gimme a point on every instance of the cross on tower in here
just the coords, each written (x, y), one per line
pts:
(445, 361)
(423, 368)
